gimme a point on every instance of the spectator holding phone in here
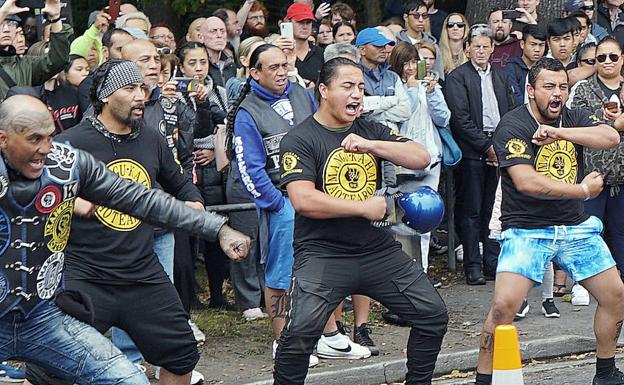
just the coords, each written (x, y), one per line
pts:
(601, 95)
(29, 70)
(309, 56)
(506, 46)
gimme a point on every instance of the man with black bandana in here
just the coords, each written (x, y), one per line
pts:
(110, 257)
(539, 147)
(39, 182)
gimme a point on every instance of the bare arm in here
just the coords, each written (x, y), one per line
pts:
(580, 73)
(599, 137)
(312, 203)
(406, 154)
(530, 182)
(242, 13)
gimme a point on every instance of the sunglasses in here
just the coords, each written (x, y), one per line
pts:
(590, 62)
(458, 24)
(419, 15)
(603, 57)
(587, 8)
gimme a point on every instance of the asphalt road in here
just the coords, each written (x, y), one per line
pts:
(559, 372)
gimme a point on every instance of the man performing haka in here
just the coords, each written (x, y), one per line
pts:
(540, 151)
(39, 182)
(331, 168)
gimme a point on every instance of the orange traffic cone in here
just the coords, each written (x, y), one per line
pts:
(507, 363)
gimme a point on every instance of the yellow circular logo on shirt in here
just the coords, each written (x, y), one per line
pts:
(58, 226)
(557, 161)
(350, 176)
(116, 220)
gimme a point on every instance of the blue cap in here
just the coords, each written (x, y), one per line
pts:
(372, 36)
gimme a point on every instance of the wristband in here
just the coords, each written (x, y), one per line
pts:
(53, 20)
(586, 191)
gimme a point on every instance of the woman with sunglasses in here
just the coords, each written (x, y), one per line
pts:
(454, 33)
(602, 95)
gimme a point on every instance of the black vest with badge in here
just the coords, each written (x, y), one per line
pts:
(273, 127)
(33, 238)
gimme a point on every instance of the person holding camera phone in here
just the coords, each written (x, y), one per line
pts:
(309, 57)
(601, 94)
(29, 70)
(506, 46)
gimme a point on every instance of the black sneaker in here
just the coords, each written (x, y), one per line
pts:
(361, 335)
(522, 312)
(436, 248)
(343, 329)
(615, 378)
(549, 309)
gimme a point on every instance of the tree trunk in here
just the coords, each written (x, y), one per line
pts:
(477, 10)
(371, 13)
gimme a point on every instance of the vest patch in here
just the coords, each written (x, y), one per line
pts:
(5, 232)
(48, 199)
(58, 226)
(4, 286)
(49, 277)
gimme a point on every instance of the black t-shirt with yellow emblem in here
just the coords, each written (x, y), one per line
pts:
(313, 153)
(561, 161)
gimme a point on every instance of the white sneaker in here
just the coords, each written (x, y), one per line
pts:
(200, 337)
(313, 359)
(340, 347)
(196, 377)
(580, 296)
(254, 314)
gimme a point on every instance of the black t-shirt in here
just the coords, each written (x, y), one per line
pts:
(612, 95)
(310, 67)
(561, 161)
(313, 153)
(64, 103)
(113, 247)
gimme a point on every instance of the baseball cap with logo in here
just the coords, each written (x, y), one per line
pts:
(299, 12)
(372, 36)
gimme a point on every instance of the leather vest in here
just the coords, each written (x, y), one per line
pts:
(273, 127)
(33, 238)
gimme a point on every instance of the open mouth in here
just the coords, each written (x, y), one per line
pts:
(353, 108)
(555, 105)
(36, 164)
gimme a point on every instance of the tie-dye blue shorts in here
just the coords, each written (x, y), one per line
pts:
(579, 250)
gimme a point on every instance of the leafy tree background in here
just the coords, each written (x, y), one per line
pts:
(179, 13)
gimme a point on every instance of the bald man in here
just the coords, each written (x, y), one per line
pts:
(214, 37)
(127, 8)
(194, 30)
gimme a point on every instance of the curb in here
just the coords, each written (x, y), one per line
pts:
(394, 370)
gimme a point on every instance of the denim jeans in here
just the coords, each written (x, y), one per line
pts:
(66, 347)
(163, 247)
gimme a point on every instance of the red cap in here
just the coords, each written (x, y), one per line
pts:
(299, 12)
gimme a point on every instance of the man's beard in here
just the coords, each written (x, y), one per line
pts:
(262, 31)
(135, 123)
(499, 36)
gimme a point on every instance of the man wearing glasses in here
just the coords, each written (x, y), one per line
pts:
(478, 96)
(162, 33)
(31, 70)
(416, 14)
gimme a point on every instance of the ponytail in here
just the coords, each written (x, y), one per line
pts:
(229, 139)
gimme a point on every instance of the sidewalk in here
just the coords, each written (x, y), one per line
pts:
(247, 359)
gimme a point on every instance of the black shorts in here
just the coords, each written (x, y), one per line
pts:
(151, 314)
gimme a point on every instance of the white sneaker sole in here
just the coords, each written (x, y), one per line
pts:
(580, 302)
(342, 356)
(553, 315)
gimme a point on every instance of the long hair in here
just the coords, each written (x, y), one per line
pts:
(254, 62)
(445, 44)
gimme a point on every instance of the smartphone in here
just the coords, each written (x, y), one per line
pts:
(286, 29)
(421, 69)
(32, 4)
(186, 85)
(113, 9)
(511, 14)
